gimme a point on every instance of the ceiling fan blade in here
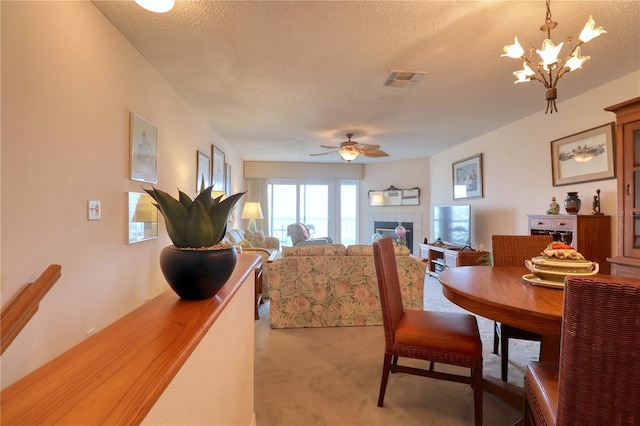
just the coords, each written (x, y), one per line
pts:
(324, 153)
(375, 153)
(367, 147)
(329, 147)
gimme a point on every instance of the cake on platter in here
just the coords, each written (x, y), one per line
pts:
(557, 261)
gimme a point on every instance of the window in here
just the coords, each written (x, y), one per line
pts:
(327, 207)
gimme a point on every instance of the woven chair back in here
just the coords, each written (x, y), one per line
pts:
(599, 377)
(513, 250)
(384, 260)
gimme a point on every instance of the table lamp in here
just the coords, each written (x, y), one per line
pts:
(252, 211)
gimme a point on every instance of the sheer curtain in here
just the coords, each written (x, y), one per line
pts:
(257, 191)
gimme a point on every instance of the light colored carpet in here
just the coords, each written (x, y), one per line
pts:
(331, 376)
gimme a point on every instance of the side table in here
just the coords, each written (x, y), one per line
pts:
(258, 273)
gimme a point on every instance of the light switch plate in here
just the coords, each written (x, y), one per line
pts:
(93, 210)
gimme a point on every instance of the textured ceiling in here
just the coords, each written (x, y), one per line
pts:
(277, 79)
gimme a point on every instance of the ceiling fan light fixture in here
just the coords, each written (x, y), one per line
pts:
(348, 155)
(157, 6)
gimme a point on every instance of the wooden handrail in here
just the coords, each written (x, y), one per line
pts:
(20, 310)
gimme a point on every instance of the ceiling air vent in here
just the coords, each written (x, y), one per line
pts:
(403, 78)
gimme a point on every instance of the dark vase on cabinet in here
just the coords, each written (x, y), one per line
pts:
(626, 261)
(572, 203)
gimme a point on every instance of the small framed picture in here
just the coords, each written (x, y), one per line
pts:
(584, 156)
(203, 174)
(142, 217)
(467, 178)
(227, 179)
(143, 141)
(411, 197)
(218, 171)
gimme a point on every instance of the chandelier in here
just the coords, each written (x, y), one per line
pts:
(551, 69)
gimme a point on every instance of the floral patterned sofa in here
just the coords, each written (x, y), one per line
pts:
(333, 285)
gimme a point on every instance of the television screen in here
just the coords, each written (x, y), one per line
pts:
(452, 224)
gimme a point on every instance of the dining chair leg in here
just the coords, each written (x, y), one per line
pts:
(386, 366)
(504, 357)
(496, 337)
(476, 376)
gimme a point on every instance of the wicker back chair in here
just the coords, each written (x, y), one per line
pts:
(445, 337)
(598, 380)
(512, 250)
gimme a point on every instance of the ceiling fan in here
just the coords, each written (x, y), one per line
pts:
(349, 150)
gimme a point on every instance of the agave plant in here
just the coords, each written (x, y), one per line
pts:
(197, 223)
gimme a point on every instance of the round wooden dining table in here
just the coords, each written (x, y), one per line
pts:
(501, 294)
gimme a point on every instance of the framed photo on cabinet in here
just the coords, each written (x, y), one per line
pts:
(467, 178)
(143, 141)
(584, 156)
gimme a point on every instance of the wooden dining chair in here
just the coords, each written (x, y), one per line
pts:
(598, 379)
(445, 337)
(512, 250)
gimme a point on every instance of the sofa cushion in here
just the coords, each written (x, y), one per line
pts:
(244, 244)
(234, 236)
(255, 238)
(367, 250)
(315, 250)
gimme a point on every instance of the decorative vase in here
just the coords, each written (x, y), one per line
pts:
(197, 274)
(572, 203)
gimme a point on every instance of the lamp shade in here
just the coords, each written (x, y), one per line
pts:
(252, 210)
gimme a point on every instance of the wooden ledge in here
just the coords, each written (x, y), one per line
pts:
(117, 375)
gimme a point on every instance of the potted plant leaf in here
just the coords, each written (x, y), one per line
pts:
(196, 266)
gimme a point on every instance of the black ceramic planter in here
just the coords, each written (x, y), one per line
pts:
(197, 274)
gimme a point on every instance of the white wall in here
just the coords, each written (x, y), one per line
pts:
(517, 163)
(70, 80)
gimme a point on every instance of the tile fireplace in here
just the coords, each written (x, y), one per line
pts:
(385, 224)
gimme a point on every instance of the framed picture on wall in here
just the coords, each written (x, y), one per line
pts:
(227, 179)
(203, 174)
(467, 178)
(143, 141)
(218, 171)
(142, 217)
(584, 156)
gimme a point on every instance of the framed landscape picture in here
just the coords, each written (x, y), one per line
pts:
(143, 141)
(467, 178)
(584, 156)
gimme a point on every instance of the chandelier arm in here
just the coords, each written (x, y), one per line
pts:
(540, 72)
(564, 69)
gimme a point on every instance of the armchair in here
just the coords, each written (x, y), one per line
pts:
(300, 235)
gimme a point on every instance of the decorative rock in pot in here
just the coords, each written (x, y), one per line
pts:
(196, 266)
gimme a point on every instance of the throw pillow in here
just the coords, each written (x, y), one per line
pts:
(244, 244)
(255, 238)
